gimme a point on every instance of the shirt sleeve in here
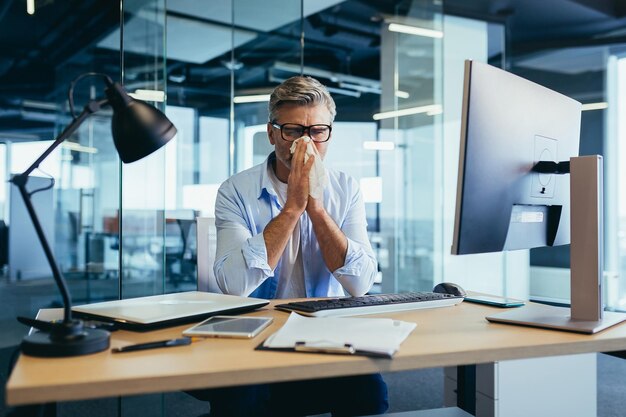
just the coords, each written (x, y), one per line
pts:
(241, 257)
(357, 274)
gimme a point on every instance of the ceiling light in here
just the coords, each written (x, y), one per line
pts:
(402, 94)
(320, 73)
(361, 88)
(379, 145)
(148, 95)
(73, 146)
(434, 112)
(344, 91)
(177, 78)
(30, 7)
(595, 106)
(252, 98)
(414, 30)
(39, 105)
(430, 110)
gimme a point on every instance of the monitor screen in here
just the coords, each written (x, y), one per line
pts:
(508, 125)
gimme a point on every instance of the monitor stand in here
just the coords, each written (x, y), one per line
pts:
(587, 313)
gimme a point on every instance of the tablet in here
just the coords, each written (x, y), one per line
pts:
(229, 326)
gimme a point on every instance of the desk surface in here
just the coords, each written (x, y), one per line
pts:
(447, 336)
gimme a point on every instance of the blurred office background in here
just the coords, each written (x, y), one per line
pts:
(395, 70)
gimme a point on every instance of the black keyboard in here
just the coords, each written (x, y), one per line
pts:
(371, 304)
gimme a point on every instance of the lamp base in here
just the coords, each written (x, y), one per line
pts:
(43, 344)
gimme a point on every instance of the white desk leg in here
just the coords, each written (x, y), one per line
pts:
(554, 386)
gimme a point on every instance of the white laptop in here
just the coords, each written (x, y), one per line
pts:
(146, 313)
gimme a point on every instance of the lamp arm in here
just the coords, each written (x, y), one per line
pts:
(20, 181)
(90, 108)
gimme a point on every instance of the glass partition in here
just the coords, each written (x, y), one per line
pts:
(85, 188)
(387, 82)
(274, 26)
(144, 184)
(579, 73)
(410, 119)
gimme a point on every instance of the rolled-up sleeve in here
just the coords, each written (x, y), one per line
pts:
(357, 274)
(241, 256)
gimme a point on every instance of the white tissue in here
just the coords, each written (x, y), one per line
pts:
(318, 179)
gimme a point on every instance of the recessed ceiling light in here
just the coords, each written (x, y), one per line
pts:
(430, 110)
(415, 30)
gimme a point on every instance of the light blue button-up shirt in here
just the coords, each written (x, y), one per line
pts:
(247, 202)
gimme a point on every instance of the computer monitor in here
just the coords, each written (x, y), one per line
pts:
(509, 124)
(513, 133)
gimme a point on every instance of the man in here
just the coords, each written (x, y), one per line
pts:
(274, 240)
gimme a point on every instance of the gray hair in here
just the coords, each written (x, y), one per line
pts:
(303, 91)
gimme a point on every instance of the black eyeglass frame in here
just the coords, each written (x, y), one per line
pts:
(304, 129)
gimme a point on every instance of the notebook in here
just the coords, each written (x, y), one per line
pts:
(147, 313)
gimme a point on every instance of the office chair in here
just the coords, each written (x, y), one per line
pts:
(179, 259)
(206, 239)
(4, 244)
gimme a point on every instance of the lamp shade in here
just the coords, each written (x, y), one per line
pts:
(138, 128)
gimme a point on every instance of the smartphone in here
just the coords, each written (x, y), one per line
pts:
(494, 301)
(229, 326)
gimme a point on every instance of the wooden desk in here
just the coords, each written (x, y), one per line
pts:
(448, 336)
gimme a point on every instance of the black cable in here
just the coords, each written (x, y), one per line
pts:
(70, 92)
(47, 187)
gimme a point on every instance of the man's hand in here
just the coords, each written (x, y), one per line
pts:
(278, 231)
(314, 207)
(298, 182)
(333, 243)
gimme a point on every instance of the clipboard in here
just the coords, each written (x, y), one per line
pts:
(346, 349)
(374, 337)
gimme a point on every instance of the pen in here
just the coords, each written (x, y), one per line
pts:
(153, 345)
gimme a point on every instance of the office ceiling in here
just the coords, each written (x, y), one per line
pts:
(40, 54)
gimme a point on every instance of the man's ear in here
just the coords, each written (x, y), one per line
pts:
(270, 133)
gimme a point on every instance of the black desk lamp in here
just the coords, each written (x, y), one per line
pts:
(138, 130)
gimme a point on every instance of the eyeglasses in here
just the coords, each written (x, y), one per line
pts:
(292, 131)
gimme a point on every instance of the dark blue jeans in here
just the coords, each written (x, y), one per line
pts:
(345, 396)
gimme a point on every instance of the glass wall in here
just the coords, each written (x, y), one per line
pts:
(579, 73)
(388, 86)
(84, 169)
(340, 43)
(410, 118)
(609, 111)
(143, 226)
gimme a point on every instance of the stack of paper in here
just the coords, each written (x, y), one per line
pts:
(380, 337)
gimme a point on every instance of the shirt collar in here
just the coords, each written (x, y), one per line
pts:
(266, 182)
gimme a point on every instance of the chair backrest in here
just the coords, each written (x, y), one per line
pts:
(177, 233)
(205, 255)
(4, 243)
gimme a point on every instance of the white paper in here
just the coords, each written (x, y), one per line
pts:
(375, 335)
